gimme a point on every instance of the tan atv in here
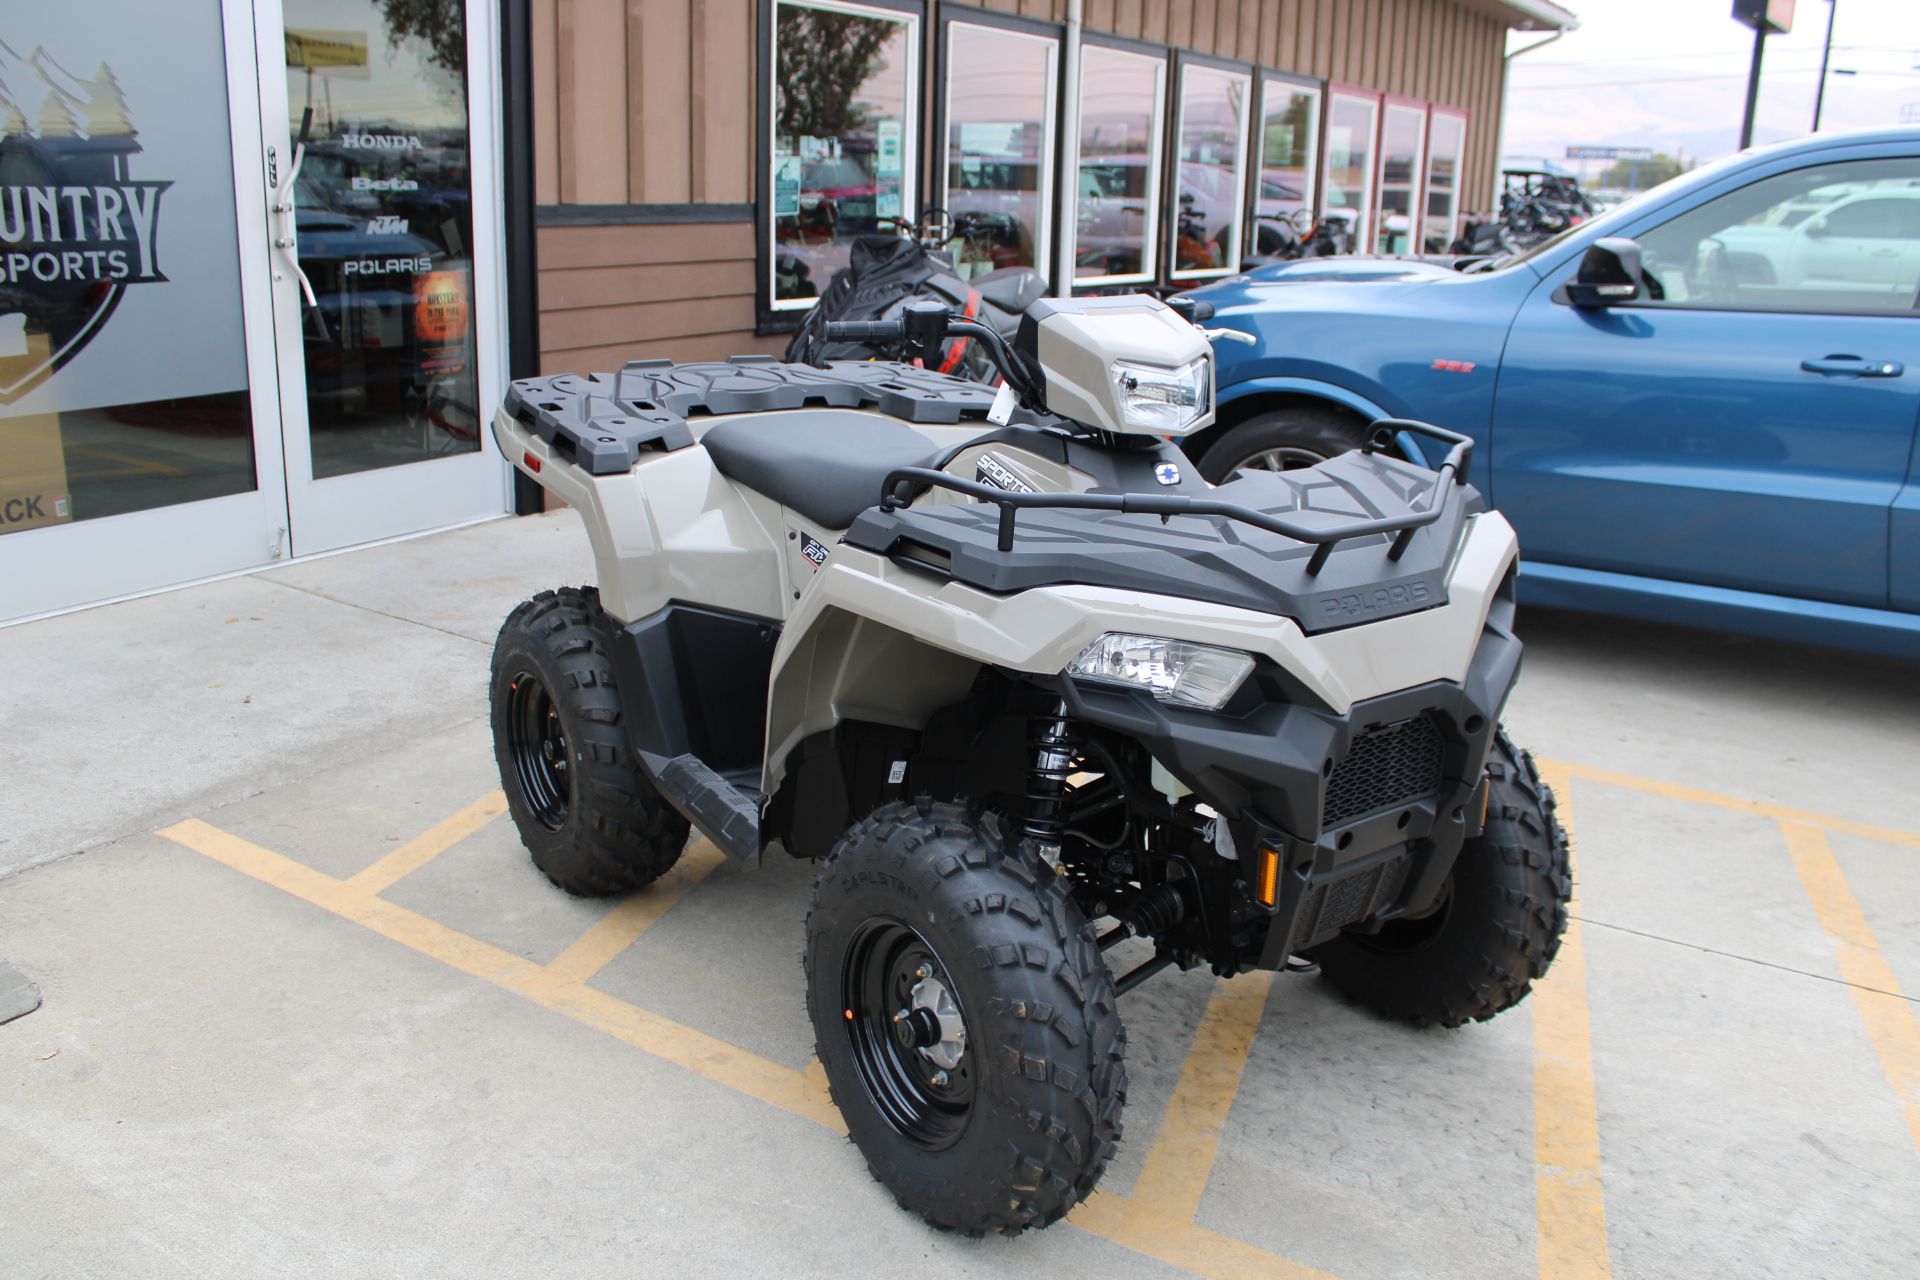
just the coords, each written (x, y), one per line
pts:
(1025, 686)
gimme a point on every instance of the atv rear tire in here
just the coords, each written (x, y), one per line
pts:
(1283, 440)
(586, 810)
(1018, 1123)
(1498, 925)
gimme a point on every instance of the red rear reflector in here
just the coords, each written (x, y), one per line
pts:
(1269, 877)
(533, 463)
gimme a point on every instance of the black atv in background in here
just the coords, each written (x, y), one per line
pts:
(886, 272)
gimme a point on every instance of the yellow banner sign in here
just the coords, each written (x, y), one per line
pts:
(326, 50)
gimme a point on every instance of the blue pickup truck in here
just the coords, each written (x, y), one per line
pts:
(1699, 407)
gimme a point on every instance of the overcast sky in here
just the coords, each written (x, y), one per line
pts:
(1673, 73)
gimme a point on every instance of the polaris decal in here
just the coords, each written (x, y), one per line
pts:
(1167, 473)
(1355, 604)
(991, 470)
(814, 550)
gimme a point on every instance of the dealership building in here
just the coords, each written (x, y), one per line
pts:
(265, 268)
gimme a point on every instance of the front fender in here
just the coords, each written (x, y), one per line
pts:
(1368, 408)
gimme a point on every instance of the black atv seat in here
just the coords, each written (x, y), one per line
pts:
(827, 466)
(1012, 289)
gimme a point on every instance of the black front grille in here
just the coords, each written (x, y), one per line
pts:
(1329, 908)
(1394, 764)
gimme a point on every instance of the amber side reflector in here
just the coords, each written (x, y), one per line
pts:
(1486, 794)
(533, 463)
(1269, 876)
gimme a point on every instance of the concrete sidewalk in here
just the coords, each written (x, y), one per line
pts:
(309, 1010)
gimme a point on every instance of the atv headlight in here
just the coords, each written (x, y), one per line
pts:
(1193, 675)
(1164, 400)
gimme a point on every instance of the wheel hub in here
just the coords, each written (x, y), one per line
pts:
(932, 1024)
(908, 1033)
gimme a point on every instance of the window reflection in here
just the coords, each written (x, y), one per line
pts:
(1447, 142)
(1350, 123)
(999, 147)
(1289, 132)
(1402, 146)
(842, 140)
(1119, 169)
(1208, 196)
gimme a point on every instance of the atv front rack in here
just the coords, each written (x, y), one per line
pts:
(1452, 472)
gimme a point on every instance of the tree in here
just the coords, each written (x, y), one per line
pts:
(441, 23)
(825, 58)
(1638, 175)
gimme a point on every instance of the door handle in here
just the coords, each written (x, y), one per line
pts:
(1855, 367)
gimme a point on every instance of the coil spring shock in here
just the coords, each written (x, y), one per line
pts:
(1055, 744)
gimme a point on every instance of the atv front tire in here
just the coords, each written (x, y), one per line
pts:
(586, 810)
(965, 1018)
(1497, 927)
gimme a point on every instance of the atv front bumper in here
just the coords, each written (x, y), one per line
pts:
(1366, 810)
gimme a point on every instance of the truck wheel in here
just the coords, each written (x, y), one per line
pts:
(1498, 924)
(586, 811)
(1282, 440)
(966, 1020)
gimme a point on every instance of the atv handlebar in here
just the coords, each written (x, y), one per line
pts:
(865, 331)
(1452, 473)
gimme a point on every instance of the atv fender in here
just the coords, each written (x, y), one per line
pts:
(672, 528)
(879, 641)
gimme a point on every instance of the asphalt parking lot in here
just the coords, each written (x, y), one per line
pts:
(309, 1009)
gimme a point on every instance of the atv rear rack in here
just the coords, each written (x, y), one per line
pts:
(1452, 472)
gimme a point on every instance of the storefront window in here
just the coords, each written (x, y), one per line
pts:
(1212, 152)
(999, 147)
(1351, 120)
(1445, 146)
(384, 210)
(1403, 140)
(1287, 142)
(123, 376)
(1119, 166)
(843, 138)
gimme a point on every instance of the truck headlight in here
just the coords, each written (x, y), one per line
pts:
(1164, 400)
(1193, 675)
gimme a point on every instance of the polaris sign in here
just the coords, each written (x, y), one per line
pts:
(1774, 17)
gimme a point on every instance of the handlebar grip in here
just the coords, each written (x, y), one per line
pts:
(865, 331)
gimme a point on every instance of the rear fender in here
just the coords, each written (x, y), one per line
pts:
(672, 528)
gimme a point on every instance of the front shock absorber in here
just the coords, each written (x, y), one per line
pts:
(1055, 745)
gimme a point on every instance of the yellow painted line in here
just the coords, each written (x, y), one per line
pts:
(1126, 1220)
(1571, 1198)
(1174, 1175)
(1887, 1013)
(618, 929)
(1692, 795)
(738, 1069)
(1226, 1032)
(429, 844)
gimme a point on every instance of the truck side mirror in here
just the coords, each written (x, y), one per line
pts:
(1609, 273)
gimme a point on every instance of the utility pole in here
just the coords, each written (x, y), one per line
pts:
(1826, 53)
(1753, 86)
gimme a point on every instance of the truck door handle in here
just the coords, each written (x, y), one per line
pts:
(1854, 366)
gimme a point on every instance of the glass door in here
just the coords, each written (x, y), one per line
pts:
(1353, 118)
(139, 419)
(379, 117)
(1403, 141)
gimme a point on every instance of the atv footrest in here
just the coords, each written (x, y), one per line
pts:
(723, 812)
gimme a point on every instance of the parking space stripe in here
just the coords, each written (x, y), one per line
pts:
(1571, 1196)
(1887, 1013)
(725, 1063)
(1692, 795)
(1174, 1174)
(429, 844)
(618, 929)
(1129, 1221)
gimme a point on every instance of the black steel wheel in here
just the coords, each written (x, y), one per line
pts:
(907, 1033)
(965, 1019)
(586, 810)
(537, 743)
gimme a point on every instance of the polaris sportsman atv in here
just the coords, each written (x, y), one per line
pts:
(1026, 687)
